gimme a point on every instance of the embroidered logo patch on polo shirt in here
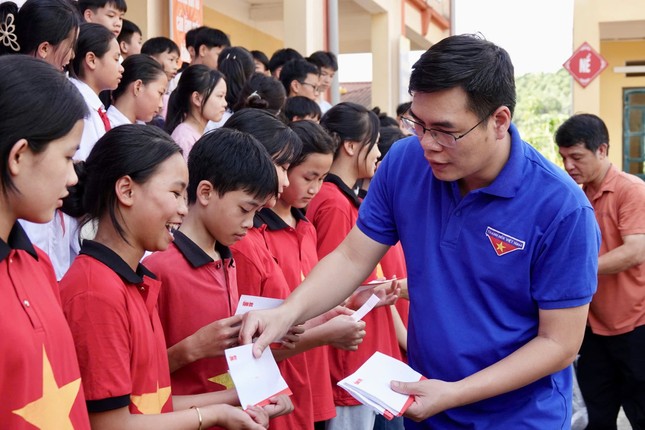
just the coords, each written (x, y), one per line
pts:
(503, 243)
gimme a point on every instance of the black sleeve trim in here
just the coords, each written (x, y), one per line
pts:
(108, 404)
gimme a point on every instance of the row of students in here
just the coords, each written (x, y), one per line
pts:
(132, 184)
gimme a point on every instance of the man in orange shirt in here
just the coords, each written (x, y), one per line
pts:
(611, 367)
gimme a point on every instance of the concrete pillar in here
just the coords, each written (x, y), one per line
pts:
(152, 16)
(386, 58)
(304, 26)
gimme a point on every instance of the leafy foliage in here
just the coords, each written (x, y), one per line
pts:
(543, 103)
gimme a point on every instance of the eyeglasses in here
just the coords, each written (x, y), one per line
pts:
(443, 138)
(313, 87)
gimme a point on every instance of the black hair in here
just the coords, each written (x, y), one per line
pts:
(261, 57)
(481, 68)
(585, 128)
(39, 21)
(196, 77)
(94, 5)
(127, 30)
(281, 56)
(211, 37)
(134, 150)
(384, 119)
(403, 108)
(91, 38)
(300, 106)
(351, 121)
(159, 45)
(231, 160)
(282, 143)
(135, 67)
(191, 36)
(30, 85)
(296, 70)
(388, 136)
(315, 140)
(261, 92)
(236, 63)
(324, 59)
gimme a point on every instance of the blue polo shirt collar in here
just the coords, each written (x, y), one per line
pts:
(509, 179)
(195, 255)
(17, 239)
(112, 260)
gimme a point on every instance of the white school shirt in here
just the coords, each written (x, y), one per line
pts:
(212, 125)
(58, 238)
(117, 117)
(94, 127)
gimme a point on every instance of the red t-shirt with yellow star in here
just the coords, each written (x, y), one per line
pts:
(39, 376)
(112, 312)
(195, 291)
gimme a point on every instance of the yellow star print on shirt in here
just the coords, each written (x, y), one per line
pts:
(151, 403)
(500, 247)
(51, 411)
(224, 379)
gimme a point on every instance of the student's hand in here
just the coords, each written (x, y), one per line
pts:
(292, 337)
(259, 415)
(233, 418)
(346, 333)
(212, 339)
(431, 396)
(268, 325)
(403, 284)
(388, 293)
(280, 405)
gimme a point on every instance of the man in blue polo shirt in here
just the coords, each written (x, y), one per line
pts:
(501, 249)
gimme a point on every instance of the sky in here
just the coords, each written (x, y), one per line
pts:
(536, 33)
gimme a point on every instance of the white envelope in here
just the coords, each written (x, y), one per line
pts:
(370, 384)
(255, 303)
(367, 306)
(256, 379)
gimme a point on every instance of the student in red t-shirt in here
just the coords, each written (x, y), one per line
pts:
(259, 274)
(132, 185)
(231, 176)
(334, 211)
(39, 374)
(291, 239)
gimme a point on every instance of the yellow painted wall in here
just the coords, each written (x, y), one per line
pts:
(612, 85)
(242, 34)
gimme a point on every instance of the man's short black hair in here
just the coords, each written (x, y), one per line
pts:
(301, 107)
(585, 128)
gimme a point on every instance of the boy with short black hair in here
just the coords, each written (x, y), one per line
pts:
(300, 78)
(298, 108)
(130, 39)
(231, 176)
(165, 51)
(108, 13)
(209, 42)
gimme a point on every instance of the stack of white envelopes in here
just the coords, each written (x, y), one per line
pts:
(370, 384)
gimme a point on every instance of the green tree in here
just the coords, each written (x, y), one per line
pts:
(543, 103)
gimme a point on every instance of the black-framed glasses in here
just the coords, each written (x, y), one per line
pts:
(313, 87)
(443, 138)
